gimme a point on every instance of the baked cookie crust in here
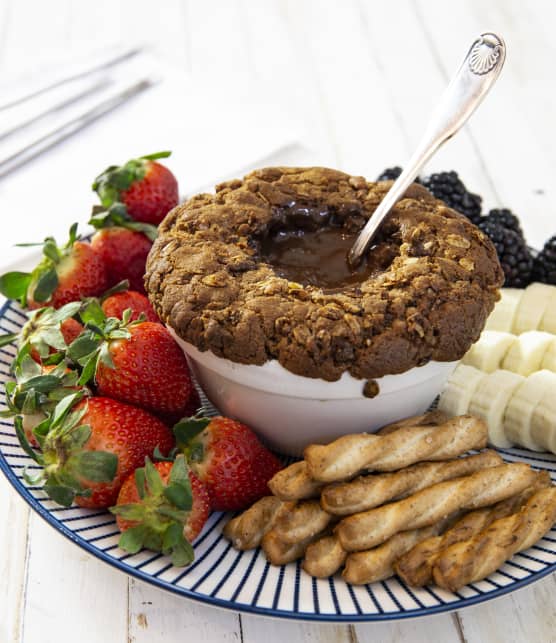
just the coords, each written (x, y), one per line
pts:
(207, 279)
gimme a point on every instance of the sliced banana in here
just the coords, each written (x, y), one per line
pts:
(459, 389)
(522, 404)
(527, 352)
(488, 352)
(531, 308)
(549, 359)
(543, 421)
(548, 321)
(502, 317)
(489, 401)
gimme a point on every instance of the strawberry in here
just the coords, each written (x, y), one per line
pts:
(114, 306)
(229, 458)
(65, 274)
(164, 507)
(70, 329)
(89, 447)
(47, 333)
(137, 362)
(124, 253)
(147, 189)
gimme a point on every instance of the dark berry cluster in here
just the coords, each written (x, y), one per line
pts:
(501, 225)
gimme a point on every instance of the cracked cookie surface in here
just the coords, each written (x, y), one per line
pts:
(428, 300)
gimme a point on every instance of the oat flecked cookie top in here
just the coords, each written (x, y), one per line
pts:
(432, 287)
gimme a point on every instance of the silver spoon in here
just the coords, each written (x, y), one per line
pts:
(477, 74)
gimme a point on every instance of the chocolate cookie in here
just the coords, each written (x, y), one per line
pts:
(235, 273)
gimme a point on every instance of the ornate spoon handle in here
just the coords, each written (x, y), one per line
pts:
(478, 72)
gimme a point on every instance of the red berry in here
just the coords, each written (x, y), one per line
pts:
(235, 467)
(71, 329)
(115, 305)
(81, 273)
(152, 197)
(124, 253)
(129, 432)
(150, 370)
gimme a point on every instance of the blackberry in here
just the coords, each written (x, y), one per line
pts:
(390, 174)
(450, 188)
(544, 264)
(506, 218)
(513, 253)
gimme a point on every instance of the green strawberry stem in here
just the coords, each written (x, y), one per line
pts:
(115, 215)
(161, 513)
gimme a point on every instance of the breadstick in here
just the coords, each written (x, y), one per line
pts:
(430, 418)
(294, 483)
(280, 553)
(366, 492)
(415, 567)
(324, 557)
(371, 528)
(376, 564)
(304, 520)
(246, 530)
(350, 454)
(474, 559)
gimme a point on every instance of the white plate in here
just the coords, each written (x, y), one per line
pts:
(244, 581)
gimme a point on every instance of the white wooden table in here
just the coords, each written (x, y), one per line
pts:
(361, 78)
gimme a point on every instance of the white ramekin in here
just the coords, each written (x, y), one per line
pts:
(290, 411)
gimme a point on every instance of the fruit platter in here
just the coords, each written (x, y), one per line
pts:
(207, 397)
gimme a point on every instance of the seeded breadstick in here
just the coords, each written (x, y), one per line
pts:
(279, 553)
(294, 483)
(376, 564)
(430, 418)
(305, 519)
(480, 489)
(474, 559)
(246, 530)
(415, 567)
(324, 557)
(366, 492)
(350, 454)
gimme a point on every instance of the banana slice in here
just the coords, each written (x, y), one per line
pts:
(543, 422)
(502, 317)
(531, 308)
(549, 359)
(527, 352)
(489, 401)
(459, 389)
(548, 321)
(489, 351)
(522, 404)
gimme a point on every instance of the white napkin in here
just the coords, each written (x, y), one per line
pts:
(214, 135)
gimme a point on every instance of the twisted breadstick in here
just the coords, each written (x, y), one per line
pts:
(415, 567)
(371, 528)
(324, 557)
(304, 520)
(366, 492)
(350, 454)
(377, 564)
(294, 483)
(430, 418)
(474, 559)
(246, 530)
(279, 552)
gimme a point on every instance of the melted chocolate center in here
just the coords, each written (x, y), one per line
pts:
(310, 246)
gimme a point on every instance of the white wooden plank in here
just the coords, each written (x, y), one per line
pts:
(157, 616)
(526, 615)
(441, 627)
(71, 596)
(257, 629)
(13, 545)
